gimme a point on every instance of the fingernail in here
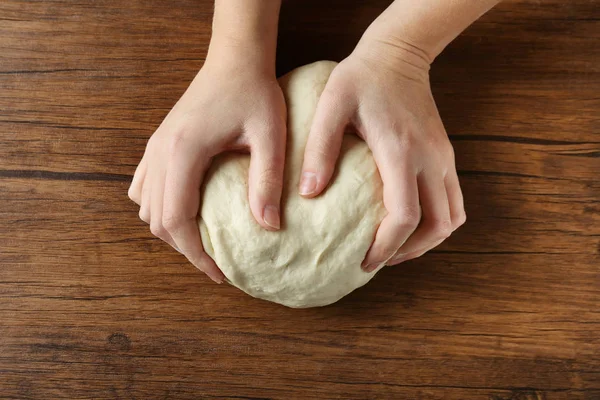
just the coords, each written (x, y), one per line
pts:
(371, 267)
(271, 217)
(217, 279)
(308, 183)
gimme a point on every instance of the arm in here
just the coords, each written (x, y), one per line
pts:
(423, 28)
(245, 29)
(383, 89)
(234, 102)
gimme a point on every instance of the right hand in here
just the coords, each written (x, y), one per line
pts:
(226, 107)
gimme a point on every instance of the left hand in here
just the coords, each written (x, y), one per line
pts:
(385, 93)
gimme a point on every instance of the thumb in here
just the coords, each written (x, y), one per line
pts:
(324, 142)
(265, 181)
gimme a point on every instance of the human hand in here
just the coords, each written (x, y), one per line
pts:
(385, 94)
(228, 106)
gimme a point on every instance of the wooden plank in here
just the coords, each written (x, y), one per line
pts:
(92, 306)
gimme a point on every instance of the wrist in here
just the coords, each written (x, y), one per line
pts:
(231, 53)
(390, 53)
(425, 26)
(244, 32)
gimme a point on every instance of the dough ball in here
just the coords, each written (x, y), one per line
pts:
(315, 258)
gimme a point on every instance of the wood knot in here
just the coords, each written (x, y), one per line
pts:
(119, 341)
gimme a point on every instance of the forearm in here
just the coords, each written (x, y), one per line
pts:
(423, 28)
(245, 31)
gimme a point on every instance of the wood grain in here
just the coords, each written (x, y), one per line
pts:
(92, 307)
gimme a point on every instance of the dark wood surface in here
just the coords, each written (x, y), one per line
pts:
(93, 307)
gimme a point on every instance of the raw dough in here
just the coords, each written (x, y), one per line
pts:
(314, 260)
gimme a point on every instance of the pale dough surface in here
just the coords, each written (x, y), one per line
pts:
(314, 260)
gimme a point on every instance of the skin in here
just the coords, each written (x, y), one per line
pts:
(234, 103)
(382, 89)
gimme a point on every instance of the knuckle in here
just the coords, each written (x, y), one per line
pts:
(435, 140)
(402, 144)
(151, 142)
(446, 158)
(132, 194)
(407, 218)
(395, 144)
(171, 221)
(318, 150)
(442, 228)
(270, 178)
(334, 95)
(438, 140)
(144, 215)
(157, 229)
(177, 140)
(460, 219)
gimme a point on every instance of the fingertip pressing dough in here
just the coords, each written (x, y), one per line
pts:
(315, 258)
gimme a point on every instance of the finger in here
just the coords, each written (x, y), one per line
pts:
(400, 198)
(181, 205)
(397, 259)
(435, 224)
(156, 211)
(455, 199)
(146, 199)
(333, 113)
(265, 180)
(135, 189)
(187, 239)
(457, 216)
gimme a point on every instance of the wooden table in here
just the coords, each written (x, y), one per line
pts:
(93, 307)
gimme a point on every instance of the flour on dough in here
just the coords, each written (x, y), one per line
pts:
(314, 260)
